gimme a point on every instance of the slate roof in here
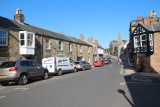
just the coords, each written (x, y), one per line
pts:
(155, 27)
(12, 24)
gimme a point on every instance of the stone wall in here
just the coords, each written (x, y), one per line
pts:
(12, 52)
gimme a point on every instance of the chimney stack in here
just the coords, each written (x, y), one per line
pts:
(96, 41)
(81, 37)
(19, 16)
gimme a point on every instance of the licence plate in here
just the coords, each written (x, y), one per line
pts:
(3, 76)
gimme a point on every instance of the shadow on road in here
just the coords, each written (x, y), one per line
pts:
(145, 91)
(124, 94)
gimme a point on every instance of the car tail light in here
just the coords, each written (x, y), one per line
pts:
(54, 62)
(79, 64)
(14, 69)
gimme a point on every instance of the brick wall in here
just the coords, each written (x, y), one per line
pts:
(155, 58)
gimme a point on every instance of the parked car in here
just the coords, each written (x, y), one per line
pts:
(110, 60)
(21, 71)
(106, 61)
(83, 65)
(59, 65)
(98, 63)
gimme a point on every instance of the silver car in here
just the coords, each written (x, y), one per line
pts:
(21, 71)
(83, 65)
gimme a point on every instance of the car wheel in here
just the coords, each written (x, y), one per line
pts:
(45, 75)
(4, 83)
(60, 72)
(75, 70)
(83, 68)
(23, 80)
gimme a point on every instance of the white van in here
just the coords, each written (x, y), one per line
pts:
(59, 65)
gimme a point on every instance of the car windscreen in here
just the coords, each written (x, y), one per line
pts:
(8, 64)
(97, 61)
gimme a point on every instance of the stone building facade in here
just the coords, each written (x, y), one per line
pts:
(20, 40)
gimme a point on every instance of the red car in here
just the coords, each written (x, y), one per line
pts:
(98, 63)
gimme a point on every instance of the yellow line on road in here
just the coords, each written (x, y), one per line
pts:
(121, 71)
(2, 96)
(122, 83)
(22, 89)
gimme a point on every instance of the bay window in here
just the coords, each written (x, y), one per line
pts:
(143, 40)
(136, 42)
(3, 38)
(26, 42)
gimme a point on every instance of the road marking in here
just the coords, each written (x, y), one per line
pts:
(122, 83)
(2, 96)
(22, 89)
(121, 71)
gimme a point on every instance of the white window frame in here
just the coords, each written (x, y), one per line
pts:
(47, 44)
(70, 47)
(143, 40)
(2, 37)
(135, 42)
(151, 39)
(26, 39)
(60, 46)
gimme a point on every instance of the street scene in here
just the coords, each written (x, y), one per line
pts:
(79, 53)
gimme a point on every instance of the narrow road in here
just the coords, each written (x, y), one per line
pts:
(99, 87)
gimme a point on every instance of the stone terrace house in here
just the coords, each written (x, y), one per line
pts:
(21, 40)
(146, 42)
(98, 50)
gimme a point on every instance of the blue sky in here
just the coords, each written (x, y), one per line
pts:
(101, 19)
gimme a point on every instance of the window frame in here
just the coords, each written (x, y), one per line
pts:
(60, 46)
(151, 39)
(135, 42)
(143, 40)
(47, 44)
(5, 37)
(26, 39)
(70, 47)
(80, 48)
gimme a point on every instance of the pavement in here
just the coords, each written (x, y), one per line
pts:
(128, 70)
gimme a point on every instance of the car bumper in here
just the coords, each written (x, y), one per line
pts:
(10, 79)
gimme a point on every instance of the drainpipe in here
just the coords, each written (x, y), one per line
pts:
(41, 46)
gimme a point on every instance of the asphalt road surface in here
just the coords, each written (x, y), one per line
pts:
(100, 87)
